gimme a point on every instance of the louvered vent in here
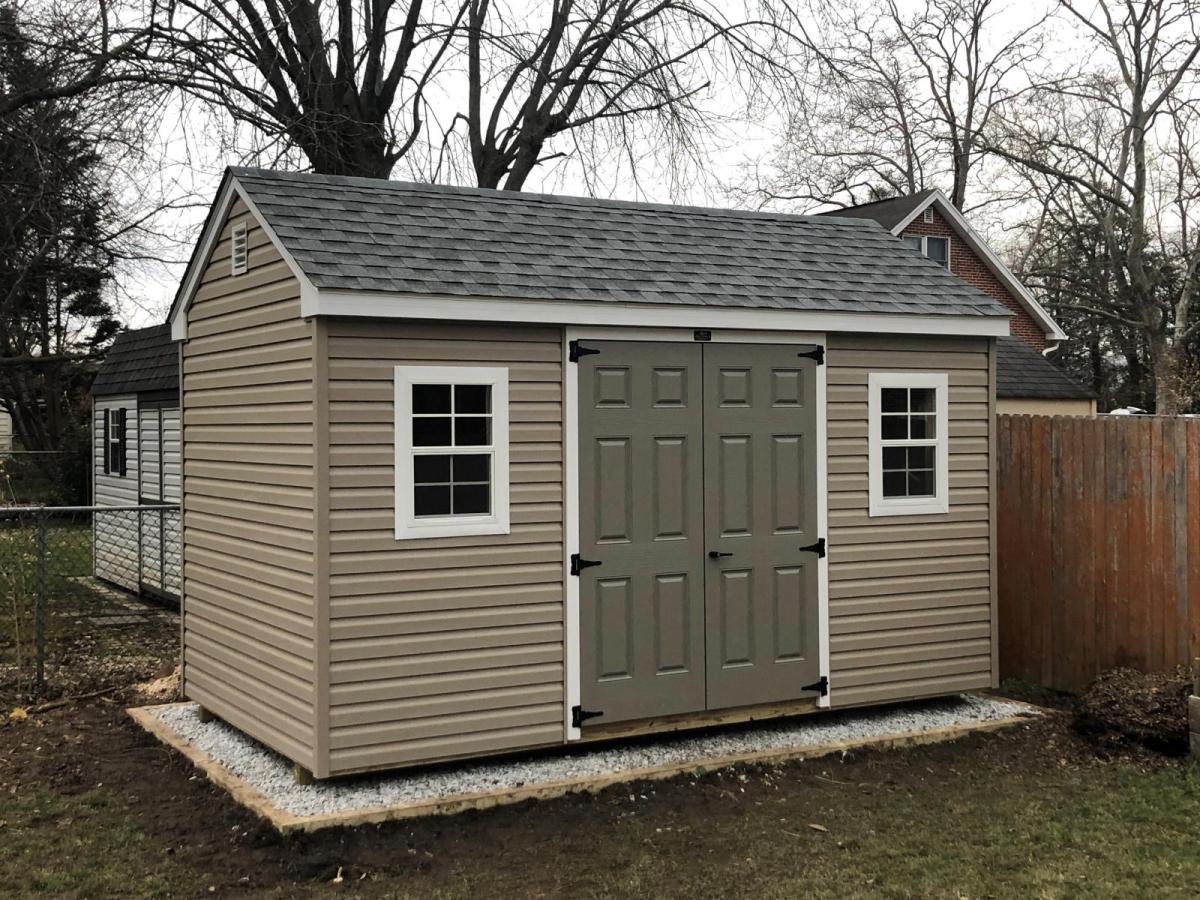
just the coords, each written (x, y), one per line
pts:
(929, 214)
(240, 250)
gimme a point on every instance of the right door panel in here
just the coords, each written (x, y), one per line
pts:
(760, 509)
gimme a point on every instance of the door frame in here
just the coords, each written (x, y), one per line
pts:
(571, 478)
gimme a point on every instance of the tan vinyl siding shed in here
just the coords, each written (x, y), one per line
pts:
(399, 548)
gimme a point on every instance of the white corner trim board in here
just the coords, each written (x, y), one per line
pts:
(879, 504)
(496, 521)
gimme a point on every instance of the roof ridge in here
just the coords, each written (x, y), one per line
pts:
(581, 202)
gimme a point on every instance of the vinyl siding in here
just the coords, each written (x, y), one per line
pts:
(116, 552)
(248, 498)
(6, 432)
(441, 647)
(910, 598)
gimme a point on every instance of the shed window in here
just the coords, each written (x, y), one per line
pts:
(115, 434)
(908, 453)
(240, 250)
(451, 451)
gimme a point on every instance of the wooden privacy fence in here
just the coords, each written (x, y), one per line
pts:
(1098, 524)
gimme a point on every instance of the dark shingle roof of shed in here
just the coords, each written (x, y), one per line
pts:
(139, 361)
(888, 213)
(1022, 372)
(375, 235)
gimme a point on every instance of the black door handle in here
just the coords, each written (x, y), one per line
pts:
(717, 554)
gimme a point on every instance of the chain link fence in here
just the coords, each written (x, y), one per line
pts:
(88, 598)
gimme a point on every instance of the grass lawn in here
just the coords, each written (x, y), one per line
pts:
(92, 808)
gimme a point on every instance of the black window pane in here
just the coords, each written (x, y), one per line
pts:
(920, 483)
(893, 484)
(472, 398)
(937, 249)
(894, 428)
(431, 469)
(918, 458)
(472, 499)
(472, 467)
(893, 457)
(433, 431)
(923, 400)
(431, 501)
(893, 399)
(431, 398)
(923, 427)
(472, 431)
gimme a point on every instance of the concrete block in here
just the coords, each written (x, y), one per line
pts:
(1194, 744)
(1194, 714)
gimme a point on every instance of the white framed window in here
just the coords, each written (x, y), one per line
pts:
(451, 451)
(239, 252)
(908, 443)
(929, 246)
(115, 441)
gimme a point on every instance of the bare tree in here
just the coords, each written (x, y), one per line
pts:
(1115, 144)
(904, 101)
(483, 88)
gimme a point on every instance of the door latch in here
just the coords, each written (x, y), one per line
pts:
(717, 554)
(817, 548)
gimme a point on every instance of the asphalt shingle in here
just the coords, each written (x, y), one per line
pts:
(396, 237)
(1023, 373)
(139, 361)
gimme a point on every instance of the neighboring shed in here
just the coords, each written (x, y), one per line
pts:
(136, 462)
(1029, 384)
(6, 431)
(470, 472)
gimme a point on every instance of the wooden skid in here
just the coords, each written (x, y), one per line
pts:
(249, 796)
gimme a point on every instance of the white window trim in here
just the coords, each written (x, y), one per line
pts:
(239, 262)
(907, 506)
(408, 526)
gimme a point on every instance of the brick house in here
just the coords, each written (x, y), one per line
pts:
(1026, 381)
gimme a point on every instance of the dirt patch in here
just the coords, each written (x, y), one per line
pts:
(735, 827)
(1125, 706)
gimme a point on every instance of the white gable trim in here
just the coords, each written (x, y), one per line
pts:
(230, 191)
(972, 239)
(361, 304)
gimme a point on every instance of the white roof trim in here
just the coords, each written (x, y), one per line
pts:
(646, 315)
(972, 239)
(230, 190)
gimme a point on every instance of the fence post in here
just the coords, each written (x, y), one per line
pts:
(39, 610)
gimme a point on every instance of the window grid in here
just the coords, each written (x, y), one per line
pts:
(908, 435)
(466, 410)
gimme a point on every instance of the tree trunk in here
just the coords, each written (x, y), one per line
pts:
(1169, 399)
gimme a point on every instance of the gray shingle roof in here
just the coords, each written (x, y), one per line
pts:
(139, 361)
(888, 213)
(1022, 372)
(375, 235)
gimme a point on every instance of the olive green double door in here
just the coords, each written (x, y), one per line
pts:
(698, 513)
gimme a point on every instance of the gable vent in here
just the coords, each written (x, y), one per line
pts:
(929, 214)
(240, 251)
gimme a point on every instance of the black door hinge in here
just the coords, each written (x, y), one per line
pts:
(578, 564)
(817, 548)
(579, 715)
(576, 350)
(821, 686)
(817, 353)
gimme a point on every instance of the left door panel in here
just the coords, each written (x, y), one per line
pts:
(641, 518)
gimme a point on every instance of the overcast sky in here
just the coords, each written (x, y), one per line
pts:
(194, 163)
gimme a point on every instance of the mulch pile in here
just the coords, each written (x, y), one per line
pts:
(1124, 705)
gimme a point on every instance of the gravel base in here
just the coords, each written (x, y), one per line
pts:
(271, 774)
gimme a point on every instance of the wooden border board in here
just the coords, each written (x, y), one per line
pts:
(285, 822)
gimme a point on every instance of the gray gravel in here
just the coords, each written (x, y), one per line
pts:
(271, 774)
